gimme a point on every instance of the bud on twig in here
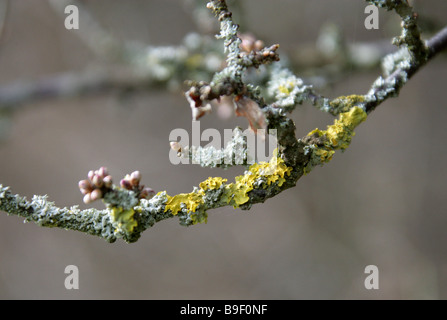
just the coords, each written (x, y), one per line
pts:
(125, 184)
(108, 181)
(97, 184)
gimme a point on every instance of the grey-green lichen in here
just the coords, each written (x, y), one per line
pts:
(286, 89)
(384, 88)
(400, 66)
(411, 35)
(44, 213)
(228, 33)
(400, 59)
(345, 103)
(121, 197)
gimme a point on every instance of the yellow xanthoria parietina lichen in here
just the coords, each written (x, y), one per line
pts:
(336, 136)
(124, 218)
(340, 133)
(259, 174)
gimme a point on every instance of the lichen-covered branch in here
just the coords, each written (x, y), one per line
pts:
(399, 68)
(410, 36)
(234, 153)
(127, 214)
(229, 81)
(46, 214)
(132, 208)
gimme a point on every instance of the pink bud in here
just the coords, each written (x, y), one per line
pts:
(87, 198)
(96, 194)
(126, 184)
(107, 181)
(147, 193)
(97, 181)
(102, 172)
(91, 174)
(258, 45)
(135, 178)
(84, 184)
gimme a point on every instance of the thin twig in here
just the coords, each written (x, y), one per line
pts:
(437, 43)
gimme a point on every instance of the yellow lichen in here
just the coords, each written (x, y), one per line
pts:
(325, 155)
(212, 183)
(340, 133)
(266, 173)
(237, 192)
(190, 200)
(353, 117)
(274, 171)
(124, 219)
(337, 136)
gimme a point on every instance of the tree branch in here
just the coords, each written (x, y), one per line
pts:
(130, 210)
(391, 85)
(437, 43)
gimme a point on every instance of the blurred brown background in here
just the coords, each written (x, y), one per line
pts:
(382, 202)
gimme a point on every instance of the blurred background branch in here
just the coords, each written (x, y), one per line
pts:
(131, 65)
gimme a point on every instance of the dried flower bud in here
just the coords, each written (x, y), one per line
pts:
(204, 92)
(245, 107)
(249, 43)
(198, 112)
